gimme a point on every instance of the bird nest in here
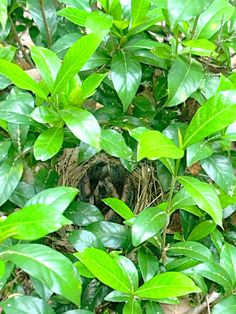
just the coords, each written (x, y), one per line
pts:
(104, 176)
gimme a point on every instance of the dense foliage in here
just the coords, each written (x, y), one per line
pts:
(143, 81)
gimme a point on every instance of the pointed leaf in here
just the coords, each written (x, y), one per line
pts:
(106, 269)
(126, 75)
(51, 267)
(228, 261)
(119, 207)
(139, 8)
(83, 125)
(184, 78)
(204, 196)
(148, 263)
(198, 151)
(202, 230)
(132, 307)
(166, 285)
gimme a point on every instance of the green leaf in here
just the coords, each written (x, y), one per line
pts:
(205, 197)
(43, 114)
(90, 84)
(47, 63)
(63, 43)
(126, 75)
(154, 145)
(217, 113)
(114, 144)
(227, 305)
(83, 239)
(10, 175)
(153, 308)
(148, 223)
(41, 11)
(48, 143)
(3, 13)
(184, 79)
(163, 51)
(202, 230)
(117, 296)
(4, 147)
(74, 15)
(129, 268)
(219, 168)
(228, 261)
(106, 269)
(22, 304)
(83, 125)
(49, 266)
(198, 151)
(75, 58)
(59, 198)
(139, 8)
(166, 285)
(191, 249)
(216, 15)
(148, 263)
(184, 10)
(99, 23)
(119, 207)
(18, 77)
(132, 307)
(199, 47)
(33, 222)
(180, 200)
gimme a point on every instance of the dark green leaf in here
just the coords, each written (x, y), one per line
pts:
(23, 192)
(61, 46)
(83, 239)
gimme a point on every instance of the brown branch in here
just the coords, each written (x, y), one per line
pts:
(45, 22)
(205, 305)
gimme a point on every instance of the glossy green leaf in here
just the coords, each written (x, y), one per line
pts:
(129, 268)
(184, 78)
(75, 58)
(113, 143)
(106, 269)
(117, 296)
(153, 308)
(98, 23)
(43, 114)
(227, 305)
(48, 143)
(166, 285)
(163, 51)
(63, 43)
(198, 151)
(75, 15)
(98, 59)
(3, 12)
(49, 266)
(184, 10)
(83, 239)
(202, 230)
(4, 147)
(83, 125)
(191, 249)
(205, 197)
(215, 16)
(154, 145)
(111, 234)
(199, 47)
(44, 16)
(148, 263)
(148, 223)
(126, 75)
(119, 207)
(23, 304)
(181, 199)
(18, 77)
(47, 63)
(90, 84)
(132, 307)
(228, 261)
(59, 197)
(33, 222)
(219, 168)
(10, 175)
(139, 9)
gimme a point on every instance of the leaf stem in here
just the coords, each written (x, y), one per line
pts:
(194, 27)
(48, 35)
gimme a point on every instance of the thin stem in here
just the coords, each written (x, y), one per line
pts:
(45, 22)
(22, 48)
(194, 27)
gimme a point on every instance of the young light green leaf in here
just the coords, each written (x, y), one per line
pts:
(202, 230)
(90, 84)
(148, 263)
(215, 16)
(205, 197)
(199, 47)
(227, 305)
(217, 113)
(148, 223)
(14, 73)
(132, 307)
(139, 8)
(106, 269)
(47, 63)
(181, 199)
(114, 144)
(126, 75)
(43, 114)
(34, 222)
(228, 261)
(49, 266)
(219, 168)
(198, 151)
(48, 143)
(10, 175)
(191, 249)
(74, 15)
(99, 23)
(166, 285)
(75, 58)
(83, 125)
(3, 13)
(154, 145)
(59, 197)
(27, 305)
(119, 207)
(184, 78)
